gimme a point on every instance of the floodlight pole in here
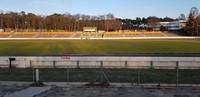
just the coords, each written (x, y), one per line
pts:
(122, 27)
(198, 29)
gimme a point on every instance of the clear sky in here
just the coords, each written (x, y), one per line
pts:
(120, 8)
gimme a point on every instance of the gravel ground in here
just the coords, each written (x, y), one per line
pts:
(5, 89)
(121, 92)
(108, 92)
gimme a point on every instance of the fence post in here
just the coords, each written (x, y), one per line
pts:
(78, 66)
(151, 64)
(101, 63)
(126, 64)
(68, 75)
(101, 70)
(37, 75)
(54, 64)
(30, 63)
(177, 73)
(33, 71)
(138, 76)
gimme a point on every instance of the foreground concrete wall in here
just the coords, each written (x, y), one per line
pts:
(97, 61)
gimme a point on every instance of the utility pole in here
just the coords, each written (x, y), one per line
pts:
(197, 30)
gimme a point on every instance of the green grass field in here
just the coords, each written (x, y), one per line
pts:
(54, 47)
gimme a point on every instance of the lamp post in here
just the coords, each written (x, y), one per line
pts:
(198, 29)
(122, 27)
(26, 26)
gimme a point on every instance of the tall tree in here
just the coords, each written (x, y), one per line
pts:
(166, 19)
(1, 19)
(153, 21)
(31, 22)
(192, 24)
(198, 24)
(182, 17)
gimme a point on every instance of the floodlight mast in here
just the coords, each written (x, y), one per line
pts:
(122, 27)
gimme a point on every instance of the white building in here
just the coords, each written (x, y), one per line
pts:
(1, 30)
(174, 25)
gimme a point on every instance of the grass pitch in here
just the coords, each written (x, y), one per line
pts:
(59, 47)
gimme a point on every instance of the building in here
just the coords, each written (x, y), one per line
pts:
(174, 25)
(1, 30)
(89, 29)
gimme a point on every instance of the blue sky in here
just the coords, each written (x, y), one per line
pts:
(120, 8)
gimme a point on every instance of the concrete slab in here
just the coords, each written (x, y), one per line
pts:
(29, 92)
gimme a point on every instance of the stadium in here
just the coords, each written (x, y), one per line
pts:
(92, 33)
(98, 52)
(92, 49)
(127, 59)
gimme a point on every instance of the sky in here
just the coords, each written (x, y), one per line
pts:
(120, 8)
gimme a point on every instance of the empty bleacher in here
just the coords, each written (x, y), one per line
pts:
(86, 34)
(153, 33)
(64, 34)
(47, 34)
(24, 34)
(93, 34)
(114, 34)
(133, 34)
(173, 33)
(5, 34)
(100, 34)
(78, 34)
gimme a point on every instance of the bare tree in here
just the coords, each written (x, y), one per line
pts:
(198, 24)
(192, 24)
(32, 22)
(182, 17)
(1, 18)
(153, 21)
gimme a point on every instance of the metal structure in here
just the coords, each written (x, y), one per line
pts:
(89, 29)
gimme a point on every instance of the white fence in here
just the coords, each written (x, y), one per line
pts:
(97, 61)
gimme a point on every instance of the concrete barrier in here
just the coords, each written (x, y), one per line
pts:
(95, 62)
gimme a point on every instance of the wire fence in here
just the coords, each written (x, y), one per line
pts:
(134, 72)
(137, 76)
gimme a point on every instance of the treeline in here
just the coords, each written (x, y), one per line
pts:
(143, 23)
(193, 23)
(192, 26)
(21, 21)
(31, 22)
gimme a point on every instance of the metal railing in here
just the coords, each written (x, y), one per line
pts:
(135, 75)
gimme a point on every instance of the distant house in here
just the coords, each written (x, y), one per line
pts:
(1, 30)
(174, 25)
